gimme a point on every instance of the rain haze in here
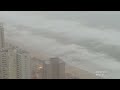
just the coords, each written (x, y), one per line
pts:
(87, 40)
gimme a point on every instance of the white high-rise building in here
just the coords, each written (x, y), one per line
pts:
(23, 65)
(12, 63)
(7, 63)
(7, 58)
(2, 43)
(4, 64)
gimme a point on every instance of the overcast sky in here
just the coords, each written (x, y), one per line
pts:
(88, 40)
(92, 18)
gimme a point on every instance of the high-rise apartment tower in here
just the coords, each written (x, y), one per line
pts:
(2, 43)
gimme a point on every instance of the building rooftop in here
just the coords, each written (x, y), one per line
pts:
(57, 59)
